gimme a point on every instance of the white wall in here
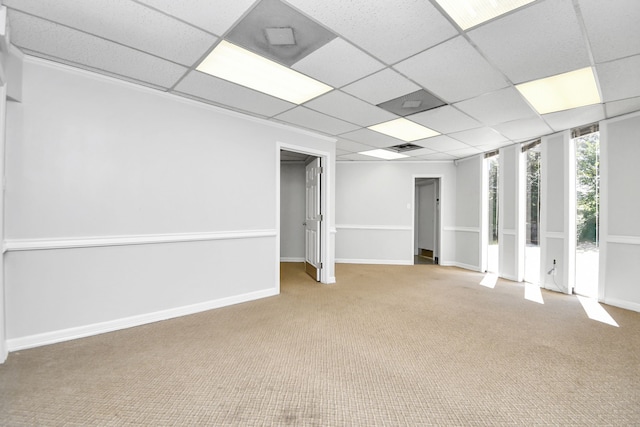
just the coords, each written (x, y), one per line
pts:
(467, 230)
(292, 211)
(510, 211)
(557, 212)
(620, 211)
(375, 212)
(150, 205)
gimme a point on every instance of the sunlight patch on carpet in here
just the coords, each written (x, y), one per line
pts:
(533, 293)
(596, 312)
(489, 280)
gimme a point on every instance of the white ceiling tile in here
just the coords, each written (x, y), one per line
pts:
(480, 136)
(445, 119)
(302, 116)
(520, 130)
(453, 71)
(382, 86)
(609, 26)
(375, 139)
(466, 152)
(625, 106)
(225, 93)
(419, 151)
(390, 30)
(437, 156)
(543, 40)
(620, 79)
(502, 106)
(351, 146)
(568, 119)
(213, 16)
(127, 23)
(338, 63)
(494, 146)
(443, 143)
(346, 107)
(57, 41)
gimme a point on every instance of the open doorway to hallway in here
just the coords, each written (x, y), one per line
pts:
(426, 241)
(301, 211)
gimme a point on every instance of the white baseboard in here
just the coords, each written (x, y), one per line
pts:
(292, 259)
(461, 265)
(375, 261)
(331, 280)
(627, 305)
(129, 322)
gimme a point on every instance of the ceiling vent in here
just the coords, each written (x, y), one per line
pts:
(278, 32)
(401, 148)
(412, 103)
(282, 36)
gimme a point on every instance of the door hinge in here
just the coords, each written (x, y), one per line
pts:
(320, 170)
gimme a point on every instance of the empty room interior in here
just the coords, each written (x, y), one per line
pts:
(305, 212)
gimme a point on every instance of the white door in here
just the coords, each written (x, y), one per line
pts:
(313, 219)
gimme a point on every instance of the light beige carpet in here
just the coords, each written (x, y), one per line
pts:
(386, 345)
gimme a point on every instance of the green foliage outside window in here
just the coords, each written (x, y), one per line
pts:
(587, 187)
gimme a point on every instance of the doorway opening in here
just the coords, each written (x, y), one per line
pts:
(531, 157)
(302, 232)
(492, 167)
(426, 223)
(587, 149)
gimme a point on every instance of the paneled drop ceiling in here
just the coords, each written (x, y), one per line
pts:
(376, 55)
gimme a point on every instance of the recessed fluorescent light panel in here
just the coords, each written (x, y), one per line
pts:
(404, 129)
(235, 64)
(469, 13)
(562, 92)
(383, 154)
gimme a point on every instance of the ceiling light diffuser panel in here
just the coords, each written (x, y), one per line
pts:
(469, 13)
(404, 129)
(562, 92)
(383, 154)
(235, 64)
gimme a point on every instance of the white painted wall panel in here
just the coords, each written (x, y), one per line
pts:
(620, 208)
(468, 211)
(511, 205)
(54, 290)
(508, 260)
(369, 246)
(558, 212)
(380, 194)
(555, 159)
(292, 205)
(469, 192)
(623, 185)
(103, 159)
(91, 157)
(467, 253)
(623, 271)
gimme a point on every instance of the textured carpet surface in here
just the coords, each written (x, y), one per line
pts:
(386, 345)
